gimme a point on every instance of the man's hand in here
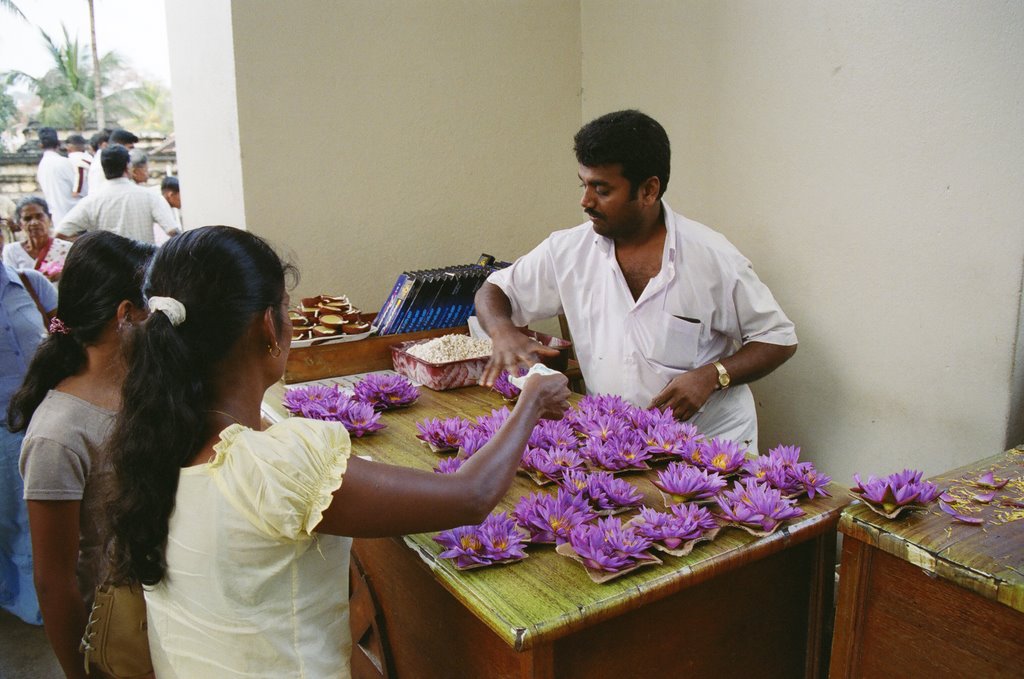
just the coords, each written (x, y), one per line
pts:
(512, 349)
(687, 392)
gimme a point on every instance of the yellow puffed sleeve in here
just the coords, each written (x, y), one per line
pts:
(282, 479)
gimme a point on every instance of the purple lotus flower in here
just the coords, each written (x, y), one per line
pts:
(896, 490)
(552, 462)
(623, 450)
(492, 423)
(721, 455)
(508, 391)
(501, 538)
(603, 427)
(496, 540)
(574, 481)
(552, 434)
(608, 545)
(664, 439)
(549, 518)
(756, 505)
(607, 493)
(449, 465)
(295, 399)
(781, 469)
(473, 440)
(686, 483)
(462, 544)
(385, 392)
(360, 419)
(443, 434)
(682, 524)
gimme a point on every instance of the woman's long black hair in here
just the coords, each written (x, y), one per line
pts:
(102, 270)
(224, 277)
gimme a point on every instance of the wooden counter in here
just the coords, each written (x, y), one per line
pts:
(737, 606)
(926, 596)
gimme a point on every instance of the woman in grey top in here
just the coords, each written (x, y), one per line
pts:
(66, 404)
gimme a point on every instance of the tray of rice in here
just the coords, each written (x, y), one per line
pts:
(442, 363)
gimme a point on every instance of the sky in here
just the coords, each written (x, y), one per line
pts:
(137, 29)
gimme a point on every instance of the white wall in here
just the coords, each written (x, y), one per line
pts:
(869, 158)
(388, 135)
(202, 62)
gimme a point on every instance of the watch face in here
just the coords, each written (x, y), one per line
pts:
(723, 380)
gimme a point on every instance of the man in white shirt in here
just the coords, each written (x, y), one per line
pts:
(81, 161)
(55, 175)
(662, 310)
(97, 180)
(121, 206)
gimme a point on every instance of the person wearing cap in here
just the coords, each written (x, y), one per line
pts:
(55, 175)
(121, 206)
(81, 160)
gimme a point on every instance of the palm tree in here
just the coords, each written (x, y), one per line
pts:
(68, 90)
(96, 84)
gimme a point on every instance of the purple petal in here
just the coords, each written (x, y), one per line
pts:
(972, 520)
(985, 497)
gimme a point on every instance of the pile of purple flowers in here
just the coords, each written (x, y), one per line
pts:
(681, 523)
(550, 518)
(895, 492)
(385, 392)
(756, 505)
(686, 483)
(622, 450)
(330, 404)
(781, 469)
(497, 540)
(609, 546)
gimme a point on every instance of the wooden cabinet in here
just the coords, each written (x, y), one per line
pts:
(923, 596)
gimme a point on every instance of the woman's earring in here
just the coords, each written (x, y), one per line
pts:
(274, 350)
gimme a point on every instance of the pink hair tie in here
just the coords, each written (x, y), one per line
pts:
(57, 327)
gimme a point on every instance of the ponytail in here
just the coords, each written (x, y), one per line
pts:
(223, 277)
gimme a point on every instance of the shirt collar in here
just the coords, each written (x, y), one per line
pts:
(9, 275)
(671, 229)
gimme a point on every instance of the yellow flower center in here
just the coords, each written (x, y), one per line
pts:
(469, 542)
(719, 461)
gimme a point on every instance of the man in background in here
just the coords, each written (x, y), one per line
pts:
(97, 178)
(80, 160)
(121, 206)
(138, 166)
(55, 175)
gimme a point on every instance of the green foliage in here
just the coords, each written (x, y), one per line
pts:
(8, 109)
(67, 89)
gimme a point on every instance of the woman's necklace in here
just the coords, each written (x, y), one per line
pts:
(227, 415)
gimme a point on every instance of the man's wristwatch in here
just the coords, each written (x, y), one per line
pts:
(723, 376)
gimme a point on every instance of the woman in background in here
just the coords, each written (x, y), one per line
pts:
(40, 250)
(25, 299)
(67, 404)
(236, 532)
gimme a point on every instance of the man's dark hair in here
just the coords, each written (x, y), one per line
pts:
(48, 138)
(630, 138)
(170, 184)
(101, 137)
(123, 137)
(114, 159)
(75, 140)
